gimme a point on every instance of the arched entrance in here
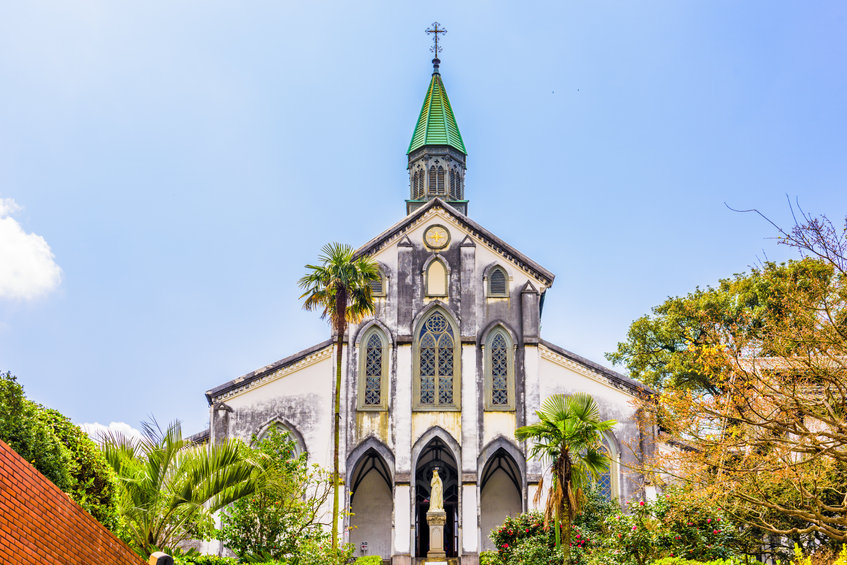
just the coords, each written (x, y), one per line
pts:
(500, 494)
(371, 504)
(436, 454)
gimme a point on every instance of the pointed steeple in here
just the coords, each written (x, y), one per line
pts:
(436, 123)
(436, 153)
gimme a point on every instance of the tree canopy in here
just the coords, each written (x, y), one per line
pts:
(751, 387)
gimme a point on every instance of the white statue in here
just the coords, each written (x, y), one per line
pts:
(436, 493)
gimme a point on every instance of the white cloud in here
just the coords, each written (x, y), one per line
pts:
(96, 430)
(27, 266)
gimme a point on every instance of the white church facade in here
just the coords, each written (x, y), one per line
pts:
(449, 365)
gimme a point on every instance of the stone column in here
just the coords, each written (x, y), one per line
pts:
(436, 521)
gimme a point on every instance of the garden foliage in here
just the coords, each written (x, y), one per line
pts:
(281, 520)
(61, 451)
(675, 526)
(749, 378)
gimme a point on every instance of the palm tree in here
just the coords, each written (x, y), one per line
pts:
(569, 435)
(340, 288)
(172, 487)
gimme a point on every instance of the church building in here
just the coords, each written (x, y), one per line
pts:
(449, 365)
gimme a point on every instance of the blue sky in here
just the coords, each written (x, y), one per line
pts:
(184, 160)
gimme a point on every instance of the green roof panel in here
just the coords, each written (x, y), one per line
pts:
(436, 124)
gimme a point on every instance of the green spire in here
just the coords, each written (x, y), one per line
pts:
(436, 124)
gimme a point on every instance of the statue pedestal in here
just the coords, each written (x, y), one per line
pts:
(436, 521)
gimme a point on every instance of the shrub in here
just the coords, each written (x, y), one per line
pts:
(60, 451)
(280, 520)
(489, 558)
(369, 560)
(28, 435)
(203, 560)
(93, 483)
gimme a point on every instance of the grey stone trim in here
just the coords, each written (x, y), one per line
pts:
(496, 243)
(615, 377)
(356, 454)
(244, 380)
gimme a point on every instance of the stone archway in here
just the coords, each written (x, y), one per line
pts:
(371, 504)
(500, 494)
(436, 453)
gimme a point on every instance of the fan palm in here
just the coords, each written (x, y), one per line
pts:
(172, 487)
(569, 434)
(340, 288)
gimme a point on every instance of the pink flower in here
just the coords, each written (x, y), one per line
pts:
(641, 503)
(715, 531)
(634, 528)
(709, 521)
(505, 546)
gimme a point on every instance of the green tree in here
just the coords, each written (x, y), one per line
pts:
(666, 349)
(569, 435)
(750, 384)
(340, 288)
(60, 451)
(284, 512)
(32, 438)
(172, 487)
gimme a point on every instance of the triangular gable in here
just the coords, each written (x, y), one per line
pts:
(479, 233)
(268, 372)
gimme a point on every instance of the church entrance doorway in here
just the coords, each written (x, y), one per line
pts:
(371, 504)
(436, 454)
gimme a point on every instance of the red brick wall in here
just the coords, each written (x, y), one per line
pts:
(40, 525)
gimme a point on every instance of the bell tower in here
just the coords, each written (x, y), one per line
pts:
(436, 153)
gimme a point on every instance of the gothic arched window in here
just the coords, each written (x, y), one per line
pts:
(498, 283)
(499, 371)
(436, 279)
(432, 180)
(436, 385)
(608, 482)
(373, 372)
(440, 186)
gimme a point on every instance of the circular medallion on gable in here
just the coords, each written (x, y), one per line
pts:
(437, 237)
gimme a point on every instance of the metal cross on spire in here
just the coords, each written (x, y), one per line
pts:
(435, 30)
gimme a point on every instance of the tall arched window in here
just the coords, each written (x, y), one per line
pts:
(440, 190)
(499, 371)
(609, 482)
(432, 180)
(373, 372)
(437, 377)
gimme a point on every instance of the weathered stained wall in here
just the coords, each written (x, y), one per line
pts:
(300, 394)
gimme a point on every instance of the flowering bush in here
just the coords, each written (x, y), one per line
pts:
(523, 540)
(674, 525)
